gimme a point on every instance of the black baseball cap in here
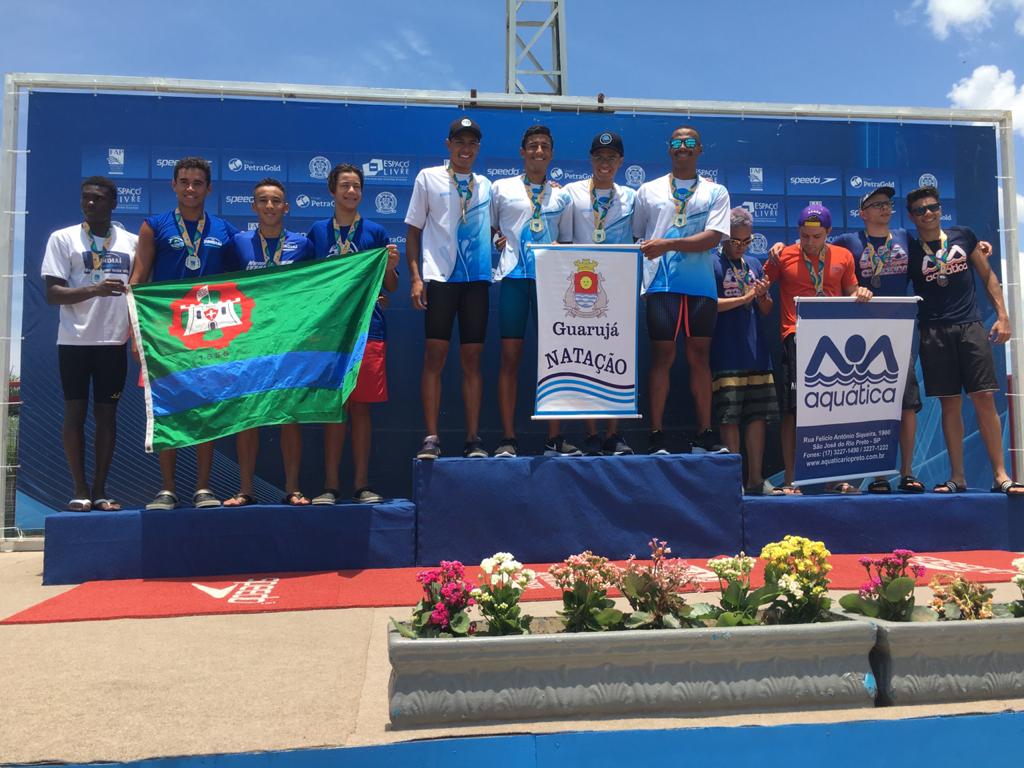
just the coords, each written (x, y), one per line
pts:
(607, 140)
(464, 125)
(889, 192)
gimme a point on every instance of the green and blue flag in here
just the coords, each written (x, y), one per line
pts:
(224, 353)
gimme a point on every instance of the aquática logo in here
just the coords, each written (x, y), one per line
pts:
(858, 375)
(586, 296)
(202, 321)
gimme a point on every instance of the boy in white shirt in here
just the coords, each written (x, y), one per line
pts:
(86, 267)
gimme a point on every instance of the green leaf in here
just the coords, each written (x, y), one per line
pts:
(460, 623)
(733, 595)
(638, 619)
(952, 611)
(704, 611)
(609, 617)
(671, 622)
(921, 613)
(898, 589)
(852, 603)
(403, 630)
(761, 596)
(729, 619)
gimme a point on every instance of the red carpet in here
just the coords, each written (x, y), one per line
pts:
(143, 599)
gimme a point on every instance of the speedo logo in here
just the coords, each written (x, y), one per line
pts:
(812, 179)
(251, 591)
(235, 199)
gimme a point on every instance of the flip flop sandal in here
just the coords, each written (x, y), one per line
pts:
(80, 505)
(105, 505)
(910, 484)
(163, 500)
(296, 499)
(949, 487)
(788, 489)
(879, 486)
(845, 489)
(241, 499)
(1008, 485)
(327, 497)
(203, 498)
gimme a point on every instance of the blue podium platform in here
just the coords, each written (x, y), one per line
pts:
(543, 509)
(188, 542)
(879, 523)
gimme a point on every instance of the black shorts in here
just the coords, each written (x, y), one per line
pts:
(106, 366)
(670, 313)
(955, 359)
(912, 392)
(789, 374)
(470, 301)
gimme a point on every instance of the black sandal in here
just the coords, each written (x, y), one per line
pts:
(243, 499)
(295, 499)
(949, 487)
(1007, 486)
(880, 486)
(910, 484)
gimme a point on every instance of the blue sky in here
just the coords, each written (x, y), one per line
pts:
(936, 53)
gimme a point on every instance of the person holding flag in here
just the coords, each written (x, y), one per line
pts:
(86, 267)
(186, 242)
(956, 355)
(449, 231)
(600, 211)
(344, 234)
(680, 218)
(268, 246)
(809, 267)
(524, 210)
(880, 258)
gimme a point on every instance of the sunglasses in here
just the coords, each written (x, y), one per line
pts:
(689, 142)
(882, 205)
(921, 210)
(735, 241)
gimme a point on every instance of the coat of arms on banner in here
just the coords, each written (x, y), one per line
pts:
(586, 296)
(201, 322)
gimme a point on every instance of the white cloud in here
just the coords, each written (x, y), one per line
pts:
(968, 16)
(988, 87)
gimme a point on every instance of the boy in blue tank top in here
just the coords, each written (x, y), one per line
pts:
(187, 242)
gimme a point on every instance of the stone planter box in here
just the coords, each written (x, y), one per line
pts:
(943, 661)
(669, 672)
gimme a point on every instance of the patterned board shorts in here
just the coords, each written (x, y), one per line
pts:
(741, 397)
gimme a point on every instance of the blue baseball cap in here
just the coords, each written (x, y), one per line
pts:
(815, 215)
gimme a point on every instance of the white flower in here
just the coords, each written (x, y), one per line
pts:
(1018, 564)
(487, 564)
(789, 585)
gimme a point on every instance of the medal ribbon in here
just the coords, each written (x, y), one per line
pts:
(345, 246)
(465, 190)
(817, 280)
(536, 194)
(278, 251)
(878, 256)
(600, 208)
(942, 257)
(97, 253)
(192, 249)
(682, 198)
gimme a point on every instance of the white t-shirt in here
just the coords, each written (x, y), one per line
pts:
(102, 319)
(577, 224)
(691, 273)
(512, 214)
(454, 248)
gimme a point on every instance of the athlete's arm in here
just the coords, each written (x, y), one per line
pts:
(724, 305)
(58, 292)
(144, 252)
(412, 259)
(859, 292)
(1000, 330)
(704, 241)
(763, 299)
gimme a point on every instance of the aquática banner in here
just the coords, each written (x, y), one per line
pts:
(587, 324)
(852, 362)
(248, 349)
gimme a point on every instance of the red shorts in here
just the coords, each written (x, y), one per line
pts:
(372, 384)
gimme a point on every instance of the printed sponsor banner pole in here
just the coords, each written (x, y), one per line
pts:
(587, 298)
(852, 361)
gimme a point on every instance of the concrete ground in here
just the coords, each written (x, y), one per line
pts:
(138, 688)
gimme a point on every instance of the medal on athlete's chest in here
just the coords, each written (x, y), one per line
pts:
(942, 281)
(876, 281)
(96, 275)
(536, 225)
(599, 236)
(193, 262)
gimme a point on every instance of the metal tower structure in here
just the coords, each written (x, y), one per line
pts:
(536, 60)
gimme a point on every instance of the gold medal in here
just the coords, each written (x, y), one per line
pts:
(536, 225)
(599, 235)
(679, 220)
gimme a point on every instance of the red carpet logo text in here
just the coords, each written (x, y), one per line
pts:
(251, 591)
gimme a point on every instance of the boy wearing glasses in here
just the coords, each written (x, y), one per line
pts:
(955, 352)
(742, 387)
(524, 209)
(880, 257)
(680, 219)
(449, 222)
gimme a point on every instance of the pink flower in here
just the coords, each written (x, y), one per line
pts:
(440, 616)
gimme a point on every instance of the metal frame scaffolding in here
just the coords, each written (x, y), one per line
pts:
(16, 84)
